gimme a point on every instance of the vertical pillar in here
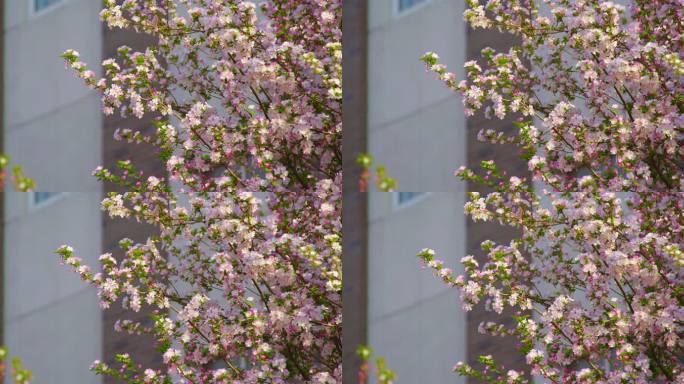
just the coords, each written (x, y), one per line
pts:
(142, 348)
(504, 350)
(2, 195)
(354, 210)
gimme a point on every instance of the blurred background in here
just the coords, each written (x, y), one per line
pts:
(414, 126)
(53, 128)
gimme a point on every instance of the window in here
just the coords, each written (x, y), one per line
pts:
(40, 5)
(42, 198)
(405, 198)
(407, 4)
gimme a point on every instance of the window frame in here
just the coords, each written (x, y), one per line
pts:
(398, 12)
(35, 205)
(36, 13)
(397, 204)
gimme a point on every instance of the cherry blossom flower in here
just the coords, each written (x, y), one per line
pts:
(595, 89)
(246, 265)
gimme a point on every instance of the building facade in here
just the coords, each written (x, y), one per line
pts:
(52, 126)
(417, 129)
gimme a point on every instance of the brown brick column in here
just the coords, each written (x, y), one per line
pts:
(143, 157)
(504, 350)
(354, 211)
(2, 194)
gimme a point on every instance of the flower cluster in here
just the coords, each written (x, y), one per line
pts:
(244, 277)
(381, 373)
(596, 280)
(20, 182)
(17, 373)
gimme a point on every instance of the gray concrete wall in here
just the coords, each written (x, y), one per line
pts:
(53, 122)
(414, 320)
(53, 129)
(416, 125)
(417, 131)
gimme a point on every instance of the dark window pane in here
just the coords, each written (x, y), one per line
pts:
(406, 4)
(40, 197)
(39, 5)
(405, 197)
